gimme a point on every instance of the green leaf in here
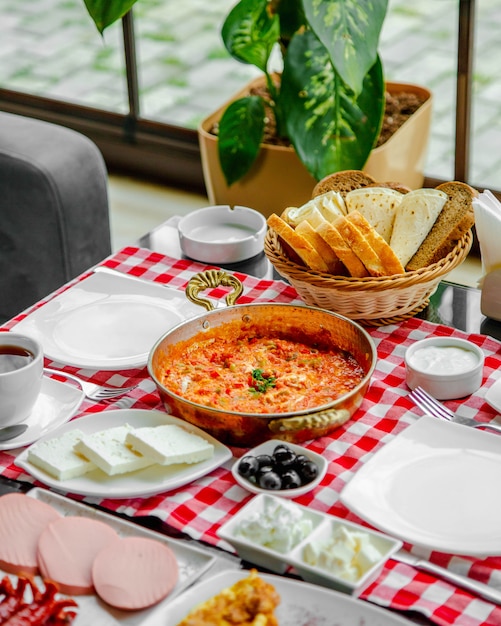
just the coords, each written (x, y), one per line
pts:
(350, 30)
(106, 12)
(250, 32)
(330, 127)
(240, 135)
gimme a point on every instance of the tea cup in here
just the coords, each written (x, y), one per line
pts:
(21, 374)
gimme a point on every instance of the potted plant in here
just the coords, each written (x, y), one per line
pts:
(325, 101)
(328, 102)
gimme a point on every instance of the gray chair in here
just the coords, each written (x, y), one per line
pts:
(54, 213)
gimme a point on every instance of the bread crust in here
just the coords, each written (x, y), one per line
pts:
(300, 247)
(354, 237)
(389, 260)
(455, 219)
(343, 182)
(306, 230)
(345, 253)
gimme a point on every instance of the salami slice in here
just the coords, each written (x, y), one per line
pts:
(134, 573)
(22, 520)
(66, 551)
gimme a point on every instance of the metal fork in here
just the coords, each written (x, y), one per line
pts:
(91, 390)
(428, 404)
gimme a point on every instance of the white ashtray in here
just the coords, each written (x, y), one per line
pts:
(276, 534)
(267, 449)
(445, 367)
(220, 234)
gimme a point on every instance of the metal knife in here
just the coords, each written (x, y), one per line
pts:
(478, 588)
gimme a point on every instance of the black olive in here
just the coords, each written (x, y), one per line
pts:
(248, 466)
(291, 480)
(300, 459)
(280, 446)
(308, 471)
(285, 457)
(264, 460)
(270, 480)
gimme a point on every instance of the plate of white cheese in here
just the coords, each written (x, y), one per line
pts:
(123, 454)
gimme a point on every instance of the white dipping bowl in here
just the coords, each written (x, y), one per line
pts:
(220, 234)
(445, 367)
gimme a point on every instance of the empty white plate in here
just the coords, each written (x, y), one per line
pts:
(435, 485)
(107, 321)
(493, 396)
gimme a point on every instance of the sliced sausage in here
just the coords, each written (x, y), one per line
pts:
(22, 520)
(66, 551)
(134, 573)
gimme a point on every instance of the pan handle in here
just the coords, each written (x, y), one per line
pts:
(210, 279)
(323, 419)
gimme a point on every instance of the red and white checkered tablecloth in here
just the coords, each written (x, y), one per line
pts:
(202, 506)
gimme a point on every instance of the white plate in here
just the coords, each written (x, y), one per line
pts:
(267, 448)
(142, 483)
(493, 396)
(55, 406)
(107, 321)
(301, 604)
(192, 563)
(436, 485)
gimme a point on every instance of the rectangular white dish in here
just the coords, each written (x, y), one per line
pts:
(322, 529)
(192, 562)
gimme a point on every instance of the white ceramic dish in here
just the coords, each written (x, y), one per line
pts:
(435, 485)
(107, 321)
(56, 405)
(301, 604)
(267, 448)
(222, 235)
(192, 562)
(323, 526)
(493, 396)
(440, 376)
(139, 484)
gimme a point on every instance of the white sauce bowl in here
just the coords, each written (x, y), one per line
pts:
(445, 367)
(220, 234)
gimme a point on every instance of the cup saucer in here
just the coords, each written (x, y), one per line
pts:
(55, 406)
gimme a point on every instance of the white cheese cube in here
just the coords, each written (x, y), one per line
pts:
(168, 444)
(107, 449)
(58, 458)
(367, 554)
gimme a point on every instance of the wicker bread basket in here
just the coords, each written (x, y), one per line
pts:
(371, 301)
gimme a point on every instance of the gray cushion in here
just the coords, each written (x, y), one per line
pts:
(54, 215)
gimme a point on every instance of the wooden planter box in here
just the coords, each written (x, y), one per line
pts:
(278, 179)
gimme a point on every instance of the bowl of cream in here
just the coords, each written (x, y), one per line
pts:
(221, 234)
(446, 367)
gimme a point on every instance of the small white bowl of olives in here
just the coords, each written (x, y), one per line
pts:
(280, 468)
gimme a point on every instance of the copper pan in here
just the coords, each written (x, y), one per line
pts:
(249, 429)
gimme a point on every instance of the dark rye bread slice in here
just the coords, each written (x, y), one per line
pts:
(343, 182)
(454, 220)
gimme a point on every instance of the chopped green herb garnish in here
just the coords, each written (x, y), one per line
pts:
(261, 383)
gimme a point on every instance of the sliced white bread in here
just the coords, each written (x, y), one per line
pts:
(329, 205)
(455, 219)
(414, 219)
(389, 260)
(306, 230)
(360, 246)
(296, 247)
(343, 250)
(378, 205)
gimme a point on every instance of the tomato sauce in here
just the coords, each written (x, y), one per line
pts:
(260, 374)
